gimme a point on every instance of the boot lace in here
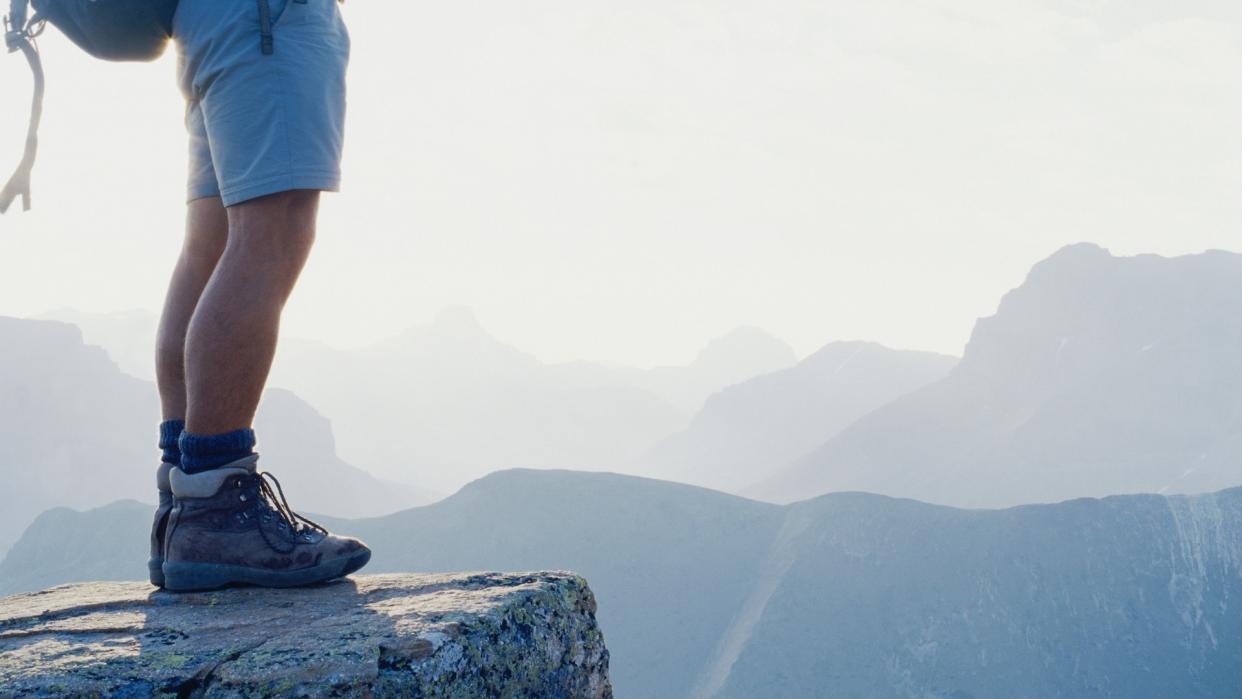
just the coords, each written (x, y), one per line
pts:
(272, 503)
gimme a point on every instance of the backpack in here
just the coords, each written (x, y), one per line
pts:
(113, 30)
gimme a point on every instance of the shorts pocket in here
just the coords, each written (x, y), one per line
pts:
(292, 11)
(278, 8)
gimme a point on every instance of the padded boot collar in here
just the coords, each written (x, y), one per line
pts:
(161, 477)
(207, 483)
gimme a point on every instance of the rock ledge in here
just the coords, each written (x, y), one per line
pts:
(458, 635)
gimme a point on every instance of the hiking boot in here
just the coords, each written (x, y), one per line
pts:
(230, 527)
(155, 564)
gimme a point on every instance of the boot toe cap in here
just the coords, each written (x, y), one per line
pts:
(348, 546)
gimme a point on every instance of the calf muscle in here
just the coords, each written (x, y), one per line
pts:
(231, 338)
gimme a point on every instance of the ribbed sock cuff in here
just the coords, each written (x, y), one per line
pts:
(204, 452)
(170, 432)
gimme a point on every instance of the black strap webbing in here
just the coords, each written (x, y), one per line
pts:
(19, 39)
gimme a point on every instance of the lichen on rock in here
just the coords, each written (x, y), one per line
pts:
(458, 635)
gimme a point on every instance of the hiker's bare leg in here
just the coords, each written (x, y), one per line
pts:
(206, 231)
(232, 334)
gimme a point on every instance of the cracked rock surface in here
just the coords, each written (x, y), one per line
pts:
(407, 635)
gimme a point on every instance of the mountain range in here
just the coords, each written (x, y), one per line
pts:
(704, 594)
(76, 431)
(1106, 388)
(441, 403)
(1098, 375)
(756, 427)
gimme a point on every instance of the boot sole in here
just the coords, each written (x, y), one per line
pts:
(187, 577)
(155, 566)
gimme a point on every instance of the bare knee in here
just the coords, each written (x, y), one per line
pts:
(206, 233)
(170, 353)
(278, 226)
(270, 239)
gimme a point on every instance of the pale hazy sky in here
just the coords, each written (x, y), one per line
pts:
(622, 181)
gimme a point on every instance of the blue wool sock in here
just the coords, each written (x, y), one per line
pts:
(170, 432)
(204, 452)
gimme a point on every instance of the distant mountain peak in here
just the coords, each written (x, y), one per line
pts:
(745, 337)
(1083, 295)
(744, 352)
(461, 319)
(1083, 250)
(1099, 374)
(1072, 261)
(457, 326)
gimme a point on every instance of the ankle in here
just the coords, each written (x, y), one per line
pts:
(170, 432)
(206, 452)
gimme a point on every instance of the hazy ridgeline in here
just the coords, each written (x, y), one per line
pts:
(75, 431)
(1098, 376)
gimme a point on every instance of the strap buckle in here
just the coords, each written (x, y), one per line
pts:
(12, 37)
(15, 36)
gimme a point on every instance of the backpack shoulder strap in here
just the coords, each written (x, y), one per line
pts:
(19, 36)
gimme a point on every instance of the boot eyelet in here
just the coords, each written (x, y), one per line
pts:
(242, 497)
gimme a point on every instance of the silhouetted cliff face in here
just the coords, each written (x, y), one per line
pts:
(529, 635)
(77, 432)
(1099, 375)
(74, 430)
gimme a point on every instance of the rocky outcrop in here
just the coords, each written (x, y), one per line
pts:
(458, 635)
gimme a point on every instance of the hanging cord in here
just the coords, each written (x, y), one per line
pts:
(20, 36)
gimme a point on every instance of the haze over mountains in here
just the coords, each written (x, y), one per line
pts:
(127, 336)
(759, 426)
(457, 403)
(70, 425)
(1099, 375)
(76, 431)
(441, 403)
(703, 594)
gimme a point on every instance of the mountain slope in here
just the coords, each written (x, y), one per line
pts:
(1098, 375)
(849, 595)
(127, 336)
(65, 545)
(672, 561)
(77, 432)
(466, 403)
(298, 445)
(668, 562)
(74, 430)
(1130, 596)
(756, 427)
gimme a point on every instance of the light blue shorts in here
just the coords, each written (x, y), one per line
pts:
(261, 124)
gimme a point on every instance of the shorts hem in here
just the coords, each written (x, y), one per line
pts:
(194, 194)
(318, 181)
